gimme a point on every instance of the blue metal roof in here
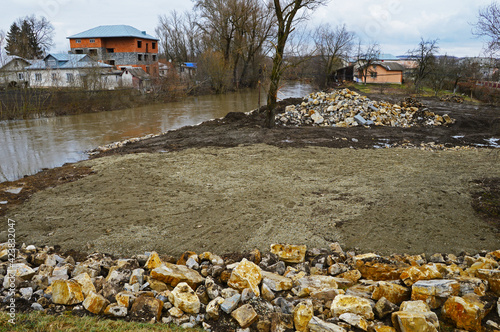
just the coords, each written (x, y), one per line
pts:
(67, 61)
(104, 31)
(190, 65)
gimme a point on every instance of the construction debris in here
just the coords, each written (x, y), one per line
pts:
(453, 99)
(346, 108)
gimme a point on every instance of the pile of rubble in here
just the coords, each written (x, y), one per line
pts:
(288, 288)
(453, 99)
(346, 108)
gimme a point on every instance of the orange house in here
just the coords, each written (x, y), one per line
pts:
(383, 72)
(118, 45)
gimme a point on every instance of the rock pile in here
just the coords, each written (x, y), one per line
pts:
(346, 108)
(453, 99)
(289, 288)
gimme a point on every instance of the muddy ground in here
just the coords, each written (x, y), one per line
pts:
(231, 185)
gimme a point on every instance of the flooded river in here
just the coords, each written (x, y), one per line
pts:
(27, 146)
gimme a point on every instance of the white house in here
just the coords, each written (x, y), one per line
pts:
(72, 70)
(14, 73)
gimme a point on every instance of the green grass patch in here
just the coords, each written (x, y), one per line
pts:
(39, 321)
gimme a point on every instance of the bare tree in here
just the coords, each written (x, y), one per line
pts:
(333, 45)
(236, 28)
(287, 13)
(366, 57)
(488, 25)
(179, 36)
(424, 55)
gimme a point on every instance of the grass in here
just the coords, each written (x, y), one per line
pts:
(41, 322)
(401, 89)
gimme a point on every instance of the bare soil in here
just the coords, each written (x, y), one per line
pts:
(231, 185)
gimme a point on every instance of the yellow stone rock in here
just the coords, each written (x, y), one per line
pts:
(374, 267)
(481, 263)
(276, 282)
(434, 292)
(246, 275)
(184, 298)
(352, 304)
(472, 285)
(157, 285)
(185, 256)
(125, 299)
(355, 320)
(383, 328)
(314, 284)
(494, 255)
(95, 303)
(412, 322)
(213, 307)
(86, 282)
(66, 292)
(415, 316)
(146, 307)
(302, 314)
(352, 275)
(392, 292)
(289, 253)
(266, 292)
(466, 312)
(173, 274)
(416, 273)
(153, 261)
(245, 315)
(492, 277)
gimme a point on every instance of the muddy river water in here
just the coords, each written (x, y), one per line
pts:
(27, 146)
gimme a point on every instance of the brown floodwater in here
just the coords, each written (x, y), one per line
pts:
(27, 146)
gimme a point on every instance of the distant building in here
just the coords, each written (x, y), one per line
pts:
(188, 69)
(386, 72)
(72, 70)
(13, 73)
(385, 69)
(121, 46)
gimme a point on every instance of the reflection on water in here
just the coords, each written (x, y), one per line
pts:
(26, 146)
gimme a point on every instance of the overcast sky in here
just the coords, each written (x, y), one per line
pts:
(397, 25)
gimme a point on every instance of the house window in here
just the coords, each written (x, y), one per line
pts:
(92, 40)
(110, 50)
(153, 46)
(38, 77)
(78, 51)
(78, 41)
(54, 76)
(70, 78)
(52, 63)
(20, 76)
(139, 44)
(111, 62)
(139, 57)
(146, 57)
(93, 52)
(154, 57)
(373, 74)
